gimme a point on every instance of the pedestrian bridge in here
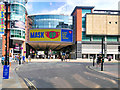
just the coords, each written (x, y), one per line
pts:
(55, 39)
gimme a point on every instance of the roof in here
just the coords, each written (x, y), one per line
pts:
(109, 10)
(82, 7)
(101, 14)
(46, 14)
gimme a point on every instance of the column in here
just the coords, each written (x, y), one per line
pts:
(79, 49)
(105, 46)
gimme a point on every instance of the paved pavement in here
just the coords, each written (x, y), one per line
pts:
(108, 68)
(0, 76)
(14, 81)
(70, 60)
(64, 75)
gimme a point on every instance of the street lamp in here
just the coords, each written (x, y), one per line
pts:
(102, 54)
(6, 29)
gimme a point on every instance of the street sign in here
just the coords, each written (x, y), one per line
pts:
(6, 72)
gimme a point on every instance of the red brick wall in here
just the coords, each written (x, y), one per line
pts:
(79, 25)
(8, 35)
(3, 45)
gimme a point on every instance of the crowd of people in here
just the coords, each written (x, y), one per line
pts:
(19, 59)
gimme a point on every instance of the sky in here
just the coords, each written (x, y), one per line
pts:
(67, 6)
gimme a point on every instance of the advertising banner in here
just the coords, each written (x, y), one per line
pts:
(17, 24)
(67, 35)
(2, 12)
(6, 72)
(45, 35)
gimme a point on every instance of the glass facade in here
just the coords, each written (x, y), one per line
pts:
(17, 33)
(51, 21)
(84, 37)
(97, 38)
(111, 38)
(18, 10)
(18, 1)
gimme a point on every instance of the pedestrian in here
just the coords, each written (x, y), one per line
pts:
(17, 57)
(99, 60)
(23, 58)
(63, 54)
(29, 58)
(3, 59)
(62, 58)
(10, 60)
(109, 58)
(66, 57)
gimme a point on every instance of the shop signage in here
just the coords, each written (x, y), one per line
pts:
(59, 35)
(67, 35)
(2, 12)
(45, 35)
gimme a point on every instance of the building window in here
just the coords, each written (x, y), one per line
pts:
(84, 37)
(97, 38)
(111, 38)
(83, 22)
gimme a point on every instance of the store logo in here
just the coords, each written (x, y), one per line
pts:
(52, 34)
(37, 35)
(70, 32)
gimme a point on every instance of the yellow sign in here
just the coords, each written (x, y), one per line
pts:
(45, 35)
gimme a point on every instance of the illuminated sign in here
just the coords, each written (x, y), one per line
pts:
(45, 35)
(2, 10)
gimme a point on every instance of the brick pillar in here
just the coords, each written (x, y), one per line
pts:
(79, 34)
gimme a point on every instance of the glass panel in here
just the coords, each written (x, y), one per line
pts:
(83, 22)
(112, 38)
(84, 37)
(97, 38)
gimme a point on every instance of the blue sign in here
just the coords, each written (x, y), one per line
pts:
(66, 35)
(6, 72)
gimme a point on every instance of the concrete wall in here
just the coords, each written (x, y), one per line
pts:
(97, 24)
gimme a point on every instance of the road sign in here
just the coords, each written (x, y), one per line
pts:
(6, 72)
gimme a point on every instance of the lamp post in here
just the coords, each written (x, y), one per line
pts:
(6, 55)
(6, 66)
(102, 55)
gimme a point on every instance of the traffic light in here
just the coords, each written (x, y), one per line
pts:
(119, 48)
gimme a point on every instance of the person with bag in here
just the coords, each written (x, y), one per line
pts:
(10, 60)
